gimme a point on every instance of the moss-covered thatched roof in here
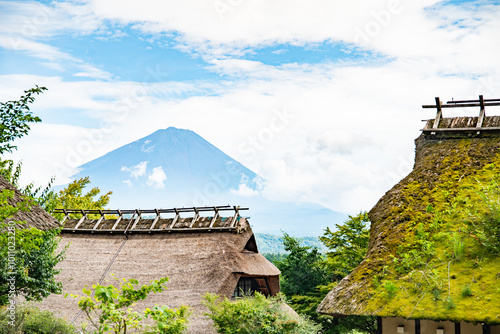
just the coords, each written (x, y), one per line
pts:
(33, 216)
(434, 250)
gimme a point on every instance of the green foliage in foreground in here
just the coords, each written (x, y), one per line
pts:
(31, 320)
(109, 309)
(255, 315)
(28, 256)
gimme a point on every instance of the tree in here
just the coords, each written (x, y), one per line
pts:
(73, 196)
(109, 308)
(347, 247)
(15, 117)
(309, 276)
(301, 269)
(255, 315)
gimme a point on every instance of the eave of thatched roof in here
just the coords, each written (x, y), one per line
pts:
(196, 263)
(34, 217)
(439, 164)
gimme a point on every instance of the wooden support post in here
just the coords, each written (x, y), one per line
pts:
(481, 113)
(175, 218)
(439, 114)
(99, 220)
(117, 220)
(195, 218)
(81, 220)
(235, 217)
(156, 219)
(137, 219)
(215, 217)
(66, 216)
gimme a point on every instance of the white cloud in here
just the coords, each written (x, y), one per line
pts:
(137, 170)
(245, 190)
(355, 122)
(145, 148)
(157, 178)
(26, 23)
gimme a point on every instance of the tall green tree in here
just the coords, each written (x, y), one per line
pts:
(75, 197)
(301, 269)
(309, 275)
(347, 244)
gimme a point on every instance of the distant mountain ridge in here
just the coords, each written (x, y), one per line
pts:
(178, 168)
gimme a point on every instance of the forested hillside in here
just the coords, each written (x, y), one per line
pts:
(270, 243)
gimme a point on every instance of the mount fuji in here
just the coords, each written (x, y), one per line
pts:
(178, 168)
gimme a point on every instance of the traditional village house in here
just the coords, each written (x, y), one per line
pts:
(427, 270)
(200, 250)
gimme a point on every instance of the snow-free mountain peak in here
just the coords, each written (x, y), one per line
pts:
(176, 167)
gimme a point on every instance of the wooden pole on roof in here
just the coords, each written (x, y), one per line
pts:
(156, 219)
(439, 114)
(481, 112)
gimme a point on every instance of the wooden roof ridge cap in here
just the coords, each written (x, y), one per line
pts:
(149, 211)
(136, 215)
(481, 103)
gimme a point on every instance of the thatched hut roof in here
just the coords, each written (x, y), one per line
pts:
(198, 261)
(429, 208)
(34, 217)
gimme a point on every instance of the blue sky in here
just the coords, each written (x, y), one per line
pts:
(320, 98)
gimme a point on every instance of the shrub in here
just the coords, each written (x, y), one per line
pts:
(31, 320)
(109, 308)
(256, 315)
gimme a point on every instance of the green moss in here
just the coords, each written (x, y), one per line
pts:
(432, 241)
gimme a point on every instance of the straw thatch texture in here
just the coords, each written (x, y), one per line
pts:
(35, 217)
(465, 122)
(196, 263)
(392, 222)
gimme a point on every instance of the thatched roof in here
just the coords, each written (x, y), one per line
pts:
(415, 211)
(34, 217)
(196, 263)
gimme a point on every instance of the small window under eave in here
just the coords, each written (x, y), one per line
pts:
(247, 286)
